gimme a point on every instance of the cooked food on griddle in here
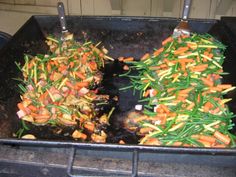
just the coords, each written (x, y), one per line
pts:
(182, 99)
(60, 88)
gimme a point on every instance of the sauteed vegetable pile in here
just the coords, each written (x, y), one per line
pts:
(60, 88)
(182, 95)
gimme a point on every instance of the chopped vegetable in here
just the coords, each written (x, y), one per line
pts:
(182, 94)
(61, 87)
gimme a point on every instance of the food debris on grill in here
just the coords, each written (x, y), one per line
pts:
(61, 89)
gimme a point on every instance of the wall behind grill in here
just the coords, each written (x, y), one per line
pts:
(13, 13)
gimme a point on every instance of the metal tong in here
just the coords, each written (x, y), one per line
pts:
(183, 27)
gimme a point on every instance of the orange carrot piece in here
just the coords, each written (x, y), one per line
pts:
(120, 59)
(209, 139)
(32, 108)
(128, 59)
(186, 90)
(152, 141)
(146, 93)
(215, 89)
(177, 143)
(207, 106)
(145, 56)
(80, 75)
(225, 139)
(224, 86)
(186, 60)
(165, 108)
(167, 40)
(121, 142)
(82, 84)
(49, 68)
(170, 90)
(205, 143)
(89, 126)
(157, 52)
(93, 65)
(77, 134)
(69, 84)
(219, 146)
(145, 130)
(207, 82)
(190, 106)
(21, 106)
(126, 67)
(181, 50)
(42, 116)
(84, 59)
(72, 64)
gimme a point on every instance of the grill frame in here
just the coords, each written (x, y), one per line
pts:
(42, 25)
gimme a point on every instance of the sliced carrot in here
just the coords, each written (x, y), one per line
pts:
(207, 82)
(72, 64)
(49, 68)
(170, 90)
(209, 139)
(186, 60)
(79, 135)
(181, 50)
(126, 67)
(208, 105)
(93, 65)
(183, 66)
(145, 130)
(146, 93)
(224, 86)
(165, 108)
(80, 75)
(169, 39)
(191, 106)
(120, 59)
(69, 84)
(89, 126)
(128, 59)
(152, 141)
(21, 106)
(32, 108)
(186, 90)
(84, 59)
(177, 143)
(205, 143)
(139, 119)
(219, 146)
(225, 139)
(42, 116)
(145, 56)
(121, 142)
(82, 84)
(157, 52)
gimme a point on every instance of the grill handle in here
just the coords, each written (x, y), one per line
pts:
(135, 159)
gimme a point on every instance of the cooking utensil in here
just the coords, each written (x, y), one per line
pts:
(61, 14)
(183, 27)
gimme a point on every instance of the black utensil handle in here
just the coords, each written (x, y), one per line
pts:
(61, 14)
(186, 9)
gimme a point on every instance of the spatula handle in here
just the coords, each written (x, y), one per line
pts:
(186, 9)
(61, 13)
